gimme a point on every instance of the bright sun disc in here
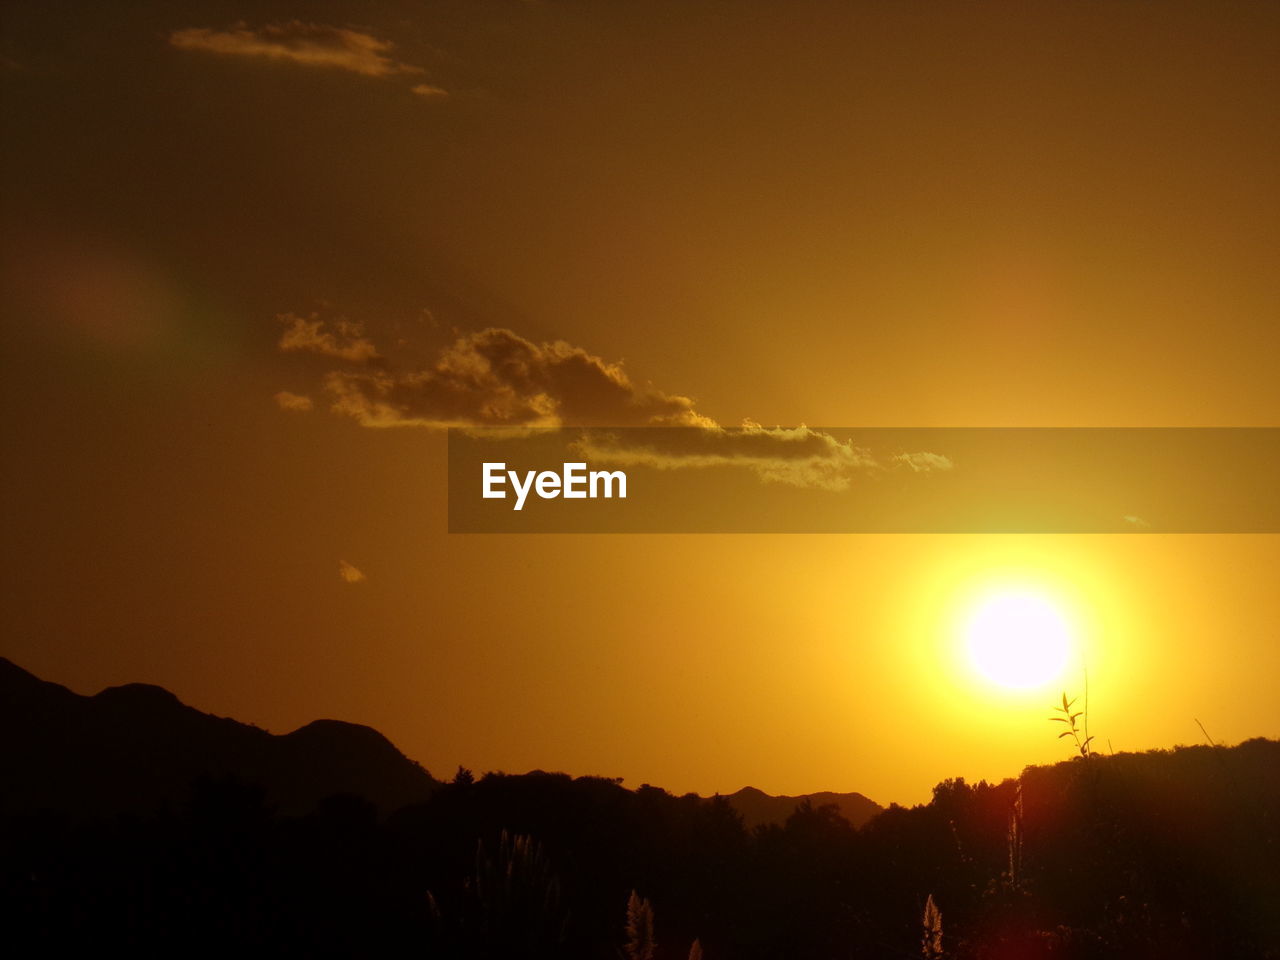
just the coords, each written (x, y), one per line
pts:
(1018, 640)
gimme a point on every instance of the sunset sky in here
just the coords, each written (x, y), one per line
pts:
(255, 258)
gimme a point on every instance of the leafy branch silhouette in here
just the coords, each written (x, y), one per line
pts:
(1078, 733)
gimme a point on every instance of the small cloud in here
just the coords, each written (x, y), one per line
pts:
(923, 462)
(304, 44)
(343, 340)
(1135, 522)
(293, 401)
(430, 91)
(350, 573)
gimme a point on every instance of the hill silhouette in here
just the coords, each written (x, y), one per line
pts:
(137, 747)
(758, 808)
(130, 820)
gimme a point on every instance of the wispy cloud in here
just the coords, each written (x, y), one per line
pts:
(293, 401)
(794, 456)
(349, 573)
(497, 378)
(342, 339)
(305, 44)
(921, 462)
(429, 91)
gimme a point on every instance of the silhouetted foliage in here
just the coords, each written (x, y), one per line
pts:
(1166, 854)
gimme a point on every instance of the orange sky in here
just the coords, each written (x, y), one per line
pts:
(1005, 214)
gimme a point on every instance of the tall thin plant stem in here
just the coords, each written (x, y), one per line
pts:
(1087, 738)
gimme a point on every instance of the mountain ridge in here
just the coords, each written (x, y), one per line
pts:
(137, 746)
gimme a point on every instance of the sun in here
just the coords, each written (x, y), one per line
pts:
(1018, 639)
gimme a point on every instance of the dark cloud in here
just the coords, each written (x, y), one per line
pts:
(498, 378)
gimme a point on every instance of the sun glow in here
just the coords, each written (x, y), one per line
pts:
(1018, 639)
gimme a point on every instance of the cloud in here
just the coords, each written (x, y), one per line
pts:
(305, 44)
(1136, 522)
(429, 91)
(922, 462)
(349, 573)
(345, 341)
(293, 401)
(795, 456)
(496, 378)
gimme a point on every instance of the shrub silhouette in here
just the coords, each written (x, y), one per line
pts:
(642, 942)
(1167, 854)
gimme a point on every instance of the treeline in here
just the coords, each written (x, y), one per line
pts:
(1164, 854)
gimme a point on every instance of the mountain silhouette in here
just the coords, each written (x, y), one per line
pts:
(758, 808)
(178, 833)
(137, 747)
